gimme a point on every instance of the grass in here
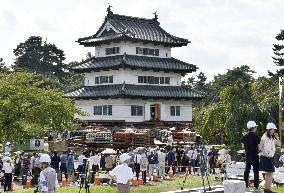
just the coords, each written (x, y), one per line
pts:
(153, 187)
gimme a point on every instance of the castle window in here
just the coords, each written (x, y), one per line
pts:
(153, 80)
(114, 50)
(175, 110)
(167, 80)
(103, 110)
(136, 110)
(147, 51)
(103, 79)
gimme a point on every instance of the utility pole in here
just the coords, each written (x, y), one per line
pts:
(280, 110)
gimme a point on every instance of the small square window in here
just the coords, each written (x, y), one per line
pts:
(157, 52)
(173, 110)
(140, 79)
(156, 81)
(167, 80)
(97, 80)
(162, 80)
(110, 79)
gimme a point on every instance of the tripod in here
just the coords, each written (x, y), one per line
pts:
(203, 167)
(84, 178)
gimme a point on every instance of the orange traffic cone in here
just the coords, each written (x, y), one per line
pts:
(28, 184)
(187, 173)
(64, 182)
(97, 179)
(140, 180)
(171, 172)
(155, 175)
(134, 180)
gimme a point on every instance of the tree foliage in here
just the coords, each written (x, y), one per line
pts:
(36, 55)
(236, 97)
(278, 49)
(3, 67)
(28, 108)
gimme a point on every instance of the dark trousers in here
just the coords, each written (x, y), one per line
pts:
(95, 168)
(212, 167)
(255, 163)
(144, 173)
(8, 182)
(137, 169)
(63, 170)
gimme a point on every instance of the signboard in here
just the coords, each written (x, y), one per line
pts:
(37, 144)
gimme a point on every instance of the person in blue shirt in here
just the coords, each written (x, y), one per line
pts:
(170, 159)
(152, 162)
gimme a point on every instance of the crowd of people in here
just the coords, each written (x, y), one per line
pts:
(144, 162)
(140, 163)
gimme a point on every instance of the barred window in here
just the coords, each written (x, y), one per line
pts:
(175, 110)
(103, 110)
(136, 110)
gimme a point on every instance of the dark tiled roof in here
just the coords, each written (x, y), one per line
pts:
(134, 91)
(133, 28)
(135, 62)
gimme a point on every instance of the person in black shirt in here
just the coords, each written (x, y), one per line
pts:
(251, 141)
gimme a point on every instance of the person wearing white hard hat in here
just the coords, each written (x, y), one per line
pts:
(251, 141)
(8, 147)
(48, 177)
(267, 146)
(122, 174)
(8, 167)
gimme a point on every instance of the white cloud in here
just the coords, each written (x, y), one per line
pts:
(224, 33)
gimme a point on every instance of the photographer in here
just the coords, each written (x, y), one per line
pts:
(267, 147)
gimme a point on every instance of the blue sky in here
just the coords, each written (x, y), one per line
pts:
(224, 33)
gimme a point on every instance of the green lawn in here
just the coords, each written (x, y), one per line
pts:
(153, 187)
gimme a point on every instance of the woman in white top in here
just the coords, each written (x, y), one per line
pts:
(267, 146)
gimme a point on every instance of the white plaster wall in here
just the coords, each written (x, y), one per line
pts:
(130, 48)
(185, 110)
(131, 76)
(121, 109)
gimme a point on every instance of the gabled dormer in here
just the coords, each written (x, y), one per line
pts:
(117, 28)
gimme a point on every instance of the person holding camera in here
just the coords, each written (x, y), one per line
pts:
(267, 146)
(251, 141)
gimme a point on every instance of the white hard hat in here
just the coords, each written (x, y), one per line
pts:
(123, 157)
(251, 124)
(45, 158)
(271, 126)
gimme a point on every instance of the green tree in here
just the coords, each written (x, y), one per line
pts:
(3, 66)
(36, 55)
(278, 50)
(28, 108)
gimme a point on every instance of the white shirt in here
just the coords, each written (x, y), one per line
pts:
(96, 159)
(281, 159)
(137, 158)
(123, 173)
(192, 154)
(8, 167)
(81, 159)
(269, 146)
(161, 157)
(43, 183)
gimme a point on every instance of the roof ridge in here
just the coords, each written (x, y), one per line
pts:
(126, 17)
